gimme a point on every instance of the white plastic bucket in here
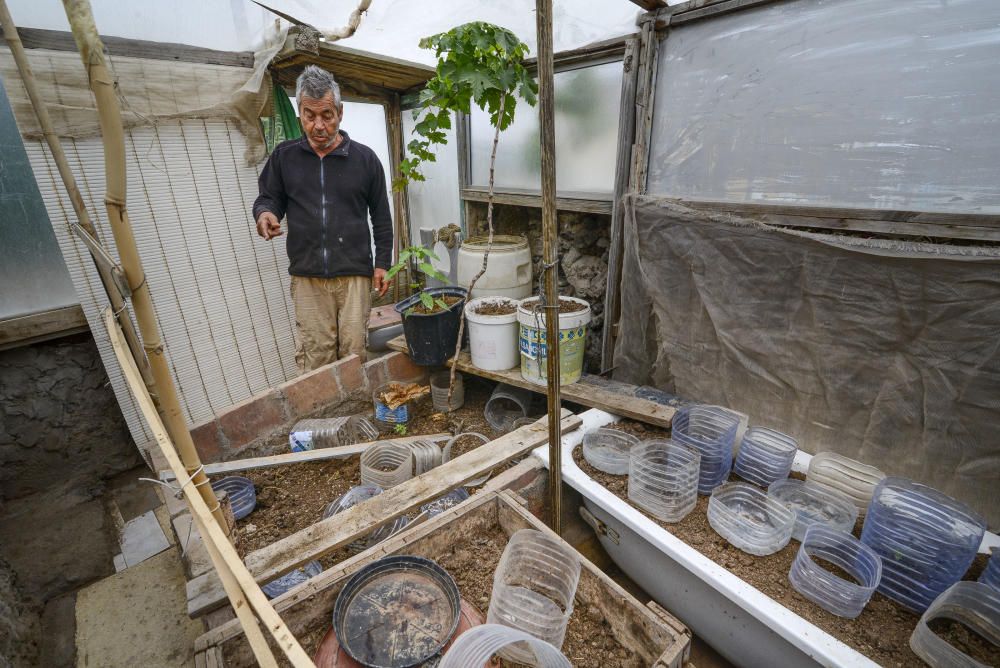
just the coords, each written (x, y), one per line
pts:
(532, 345)
(509, 270)
(492, 338)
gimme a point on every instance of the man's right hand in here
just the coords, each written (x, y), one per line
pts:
(268, 226)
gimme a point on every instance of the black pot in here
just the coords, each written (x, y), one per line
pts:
(431, 337)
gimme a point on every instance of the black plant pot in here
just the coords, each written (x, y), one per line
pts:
(431, 337)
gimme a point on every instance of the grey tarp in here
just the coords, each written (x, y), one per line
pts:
(885, 351)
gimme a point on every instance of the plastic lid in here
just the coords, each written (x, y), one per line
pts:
(397, 612)
(478, 644)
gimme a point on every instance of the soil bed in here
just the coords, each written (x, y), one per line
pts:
(882, 631)
(293, 497)
(472, 562)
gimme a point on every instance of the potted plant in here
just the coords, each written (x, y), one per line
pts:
(478, 63)
(430, 315)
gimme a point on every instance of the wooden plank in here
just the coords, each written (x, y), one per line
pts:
(235, 581)
(649, 43)
(633, 625)
(595, 53)
(626, 139)
(265, 564)
(593, 396)
(702, 9)
(60, 40)
(301, 606)
(26, 329)
(582, 202)
(639, 628)
(322, 454)
(650, 5)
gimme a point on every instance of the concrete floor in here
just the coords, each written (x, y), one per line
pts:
(137, 617)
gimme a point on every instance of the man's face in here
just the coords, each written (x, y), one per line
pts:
(320, 120)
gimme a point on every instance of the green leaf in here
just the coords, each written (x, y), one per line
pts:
(427, 300)
(441, 304)
(432, 272)
(393, 270)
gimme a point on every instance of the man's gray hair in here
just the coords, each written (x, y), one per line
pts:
(315, 82)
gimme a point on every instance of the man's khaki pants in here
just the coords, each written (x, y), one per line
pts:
(331, 318)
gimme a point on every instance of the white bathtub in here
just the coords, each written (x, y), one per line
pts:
(739, 621)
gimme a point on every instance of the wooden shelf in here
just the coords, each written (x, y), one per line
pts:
(584, 393)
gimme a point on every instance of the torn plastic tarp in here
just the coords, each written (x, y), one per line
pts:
(884, 351)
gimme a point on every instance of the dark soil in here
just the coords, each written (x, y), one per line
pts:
(589, 640)
(420, 309)
(882, 630)
(966, 640)
(293, 497)
(565, 306)
(496, 308)
(639, 430)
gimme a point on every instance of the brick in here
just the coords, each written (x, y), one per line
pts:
(207, 441)
(246, 421)
(351, 376)
(310, 391)
(400, 367)
(376, 374)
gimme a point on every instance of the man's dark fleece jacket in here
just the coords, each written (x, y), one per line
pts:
(327, 201)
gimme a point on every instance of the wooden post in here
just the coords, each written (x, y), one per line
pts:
(81, 21)
(550, 251)
(82, 215)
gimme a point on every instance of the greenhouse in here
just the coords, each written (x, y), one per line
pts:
(281, 281)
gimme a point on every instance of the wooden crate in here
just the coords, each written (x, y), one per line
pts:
(648, 632)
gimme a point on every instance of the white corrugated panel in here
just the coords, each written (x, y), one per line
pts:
(220, 292)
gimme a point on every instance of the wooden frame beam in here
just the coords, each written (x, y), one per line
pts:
(24, 330)
(626, 142)
(205, 592)
(695, 10)
(287, 458)
(60, 40)
(593, 396)
(582, 202)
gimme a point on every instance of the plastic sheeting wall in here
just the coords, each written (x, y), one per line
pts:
(586, 121)
(864, 103)
(220, 292)
(434, 203)
(883, 351)
(32, 272)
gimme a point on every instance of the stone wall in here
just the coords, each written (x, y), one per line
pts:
(61, 420)
(584, 239)
(19, 623)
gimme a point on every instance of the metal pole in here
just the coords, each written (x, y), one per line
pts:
(81, 20)
(550, 252)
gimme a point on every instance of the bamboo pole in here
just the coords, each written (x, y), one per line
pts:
(89, 43)
(83, 216)
(550, 252)
(240, 586)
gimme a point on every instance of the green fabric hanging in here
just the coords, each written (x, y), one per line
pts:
(286, 114)
(283, 123)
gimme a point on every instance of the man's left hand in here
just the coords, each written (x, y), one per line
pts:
(379, 283)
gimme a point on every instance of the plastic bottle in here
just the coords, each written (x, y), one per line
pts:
(330, 433)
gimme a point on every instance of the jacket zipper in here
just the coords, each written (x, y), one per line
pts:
(322, 188)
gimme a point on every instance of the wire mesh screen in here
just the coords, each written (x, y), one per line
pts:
(221, 293)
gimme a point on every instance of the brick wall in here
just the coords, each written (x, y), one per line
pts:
(250, 423)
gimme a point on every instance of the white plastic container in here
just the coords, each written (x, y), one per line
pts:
(533, 589)
(533, 347)
(492, 338)
(508, 273)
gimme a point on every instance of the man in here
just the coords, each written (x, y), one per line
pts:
(327, 184)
